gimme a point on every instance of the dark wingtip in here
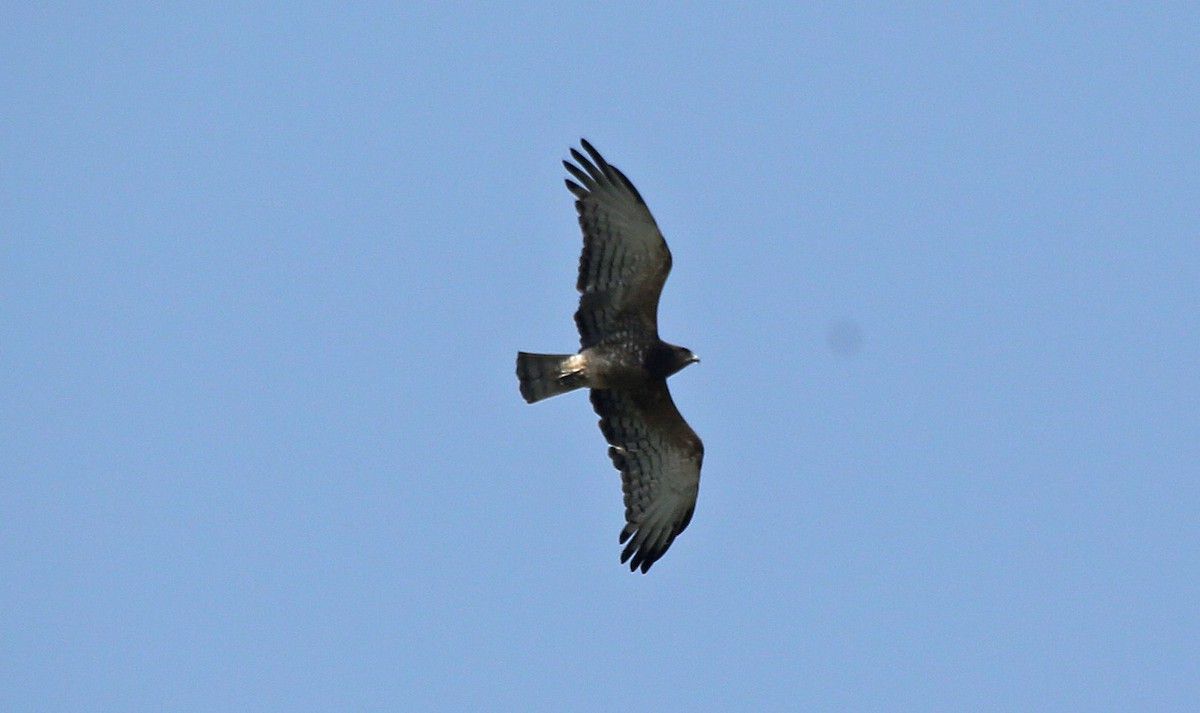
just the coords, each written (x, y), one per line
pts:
(641, 562)
(637, 555)
(596, 157)
(576, 190)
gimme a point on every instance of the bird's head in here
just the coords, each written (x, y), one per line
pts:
(674, 358)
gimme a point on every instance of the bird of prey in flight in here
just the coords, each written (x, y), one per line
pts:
(624, 263)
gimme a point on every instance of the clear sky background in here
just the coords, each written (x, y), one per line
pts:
(264, 271)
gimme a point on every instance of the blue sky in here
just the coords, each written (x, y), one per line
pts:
(264, 270)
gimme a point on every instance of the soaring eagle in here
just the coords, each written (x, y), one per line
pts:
(624, 264)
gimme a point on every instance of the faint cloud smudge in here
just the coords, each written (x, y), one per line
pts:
(845, 337)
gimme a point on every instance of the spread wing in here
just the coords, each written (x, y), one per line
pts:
(659, 457)
(625, 260)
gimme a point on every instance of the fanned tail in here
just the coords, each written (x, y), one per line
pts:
(546, 375)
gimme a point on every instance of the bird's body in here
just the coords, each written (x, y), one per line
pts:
(622, 269)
